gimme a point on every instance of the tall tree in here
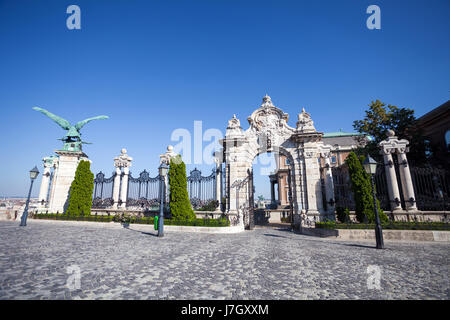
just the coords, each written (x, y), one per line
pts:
(180, 207)
(380, 118)
(80, 199)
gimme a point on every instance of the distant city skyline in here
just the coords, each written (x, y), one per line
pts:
(154, 67)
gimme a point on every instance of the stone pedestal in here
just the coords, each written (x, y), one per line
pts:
(63, 177)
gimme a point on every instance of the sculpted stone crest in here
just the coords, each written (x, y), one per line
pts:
(267, 116)
(305, 123)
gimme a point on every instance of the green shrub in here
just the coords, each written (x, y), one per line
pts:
(180, 207)
(80, 199)
(342, 214)
(210, 206)
(362, 191)
(123, 218)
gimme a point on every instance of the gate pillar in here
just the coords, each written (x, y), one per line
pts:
(407, 185)
(49, 163)
(393, 145)
(329, 187)
(392, 184)
(123, 161)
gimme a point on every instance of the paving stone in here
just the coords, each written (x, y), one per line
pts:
(259, 264)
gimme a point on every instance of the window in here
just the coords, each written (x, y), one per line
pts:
(286, 162)
(333, 159)
(447, 140)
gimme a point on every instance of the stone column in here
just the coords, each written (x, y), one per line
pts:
(218, 185)
(165, 158)
(313, 189)
(391, 179)
(49, 163)
(329, 186)
(407, 184)
(393, 145)
(123, 161)
(272, 191)
(124, 189)
(116, 190)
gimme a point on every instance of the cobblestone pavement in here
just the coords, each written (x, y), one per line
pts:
(38, 262)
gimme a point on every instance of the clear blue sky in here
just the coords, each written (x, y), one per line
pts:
(155, 66)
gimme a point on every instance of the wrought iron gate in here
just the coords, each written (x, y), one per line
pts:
(245, 209)
(202, 190)
(103, 191)
(143, 192)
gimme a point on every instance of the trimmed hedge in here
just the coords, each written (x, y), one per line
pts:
(81, 189)
(180, 206)
(55, 216)
(397, 225)
(362, 191)
(198, 222)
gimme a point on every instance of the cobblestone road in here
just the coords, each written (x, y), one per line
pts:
(259, 264)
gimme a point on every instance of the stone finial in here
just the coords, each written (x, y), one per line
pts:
(267, 102)
(390, 133)
(123, 160)
(234, 123)
(165, 157)
(305, 123)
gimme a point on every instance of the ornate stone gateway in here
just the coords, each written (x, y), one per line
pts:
(304, 149)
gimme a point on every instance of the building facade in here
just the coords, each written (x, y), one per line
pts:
(342, 143)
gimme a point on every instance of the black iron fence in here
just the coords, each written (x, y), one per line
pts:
(432, 188)
(143, 192)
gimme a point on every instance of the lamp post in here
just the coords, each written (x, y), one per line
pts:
(370, 166)
(163, 168)
(33, 175)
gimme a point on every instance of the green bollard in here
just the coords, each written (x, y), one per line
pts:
(156, 222)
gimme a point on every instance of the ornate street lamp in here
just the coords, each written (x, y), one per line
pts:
(163, 168)
(33, 175)
(370, 166)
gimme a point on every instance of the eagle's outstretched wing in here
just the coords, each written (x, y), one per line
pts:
(62, 122)
(81, 124)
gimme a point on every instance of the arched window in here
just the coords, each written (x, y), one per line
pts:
(447, 140)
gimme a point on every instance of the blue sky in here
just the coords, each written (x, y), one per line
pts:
(155, 66)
